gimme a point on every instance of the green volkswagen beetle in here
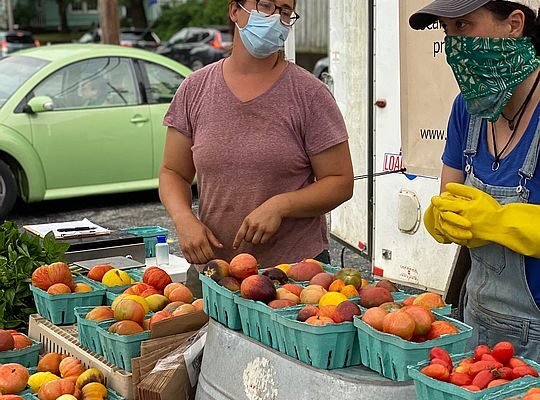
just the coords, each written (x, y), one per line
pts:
(79, 120)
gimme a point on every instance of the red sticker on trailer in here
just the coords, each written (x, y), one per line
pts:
(378, 271)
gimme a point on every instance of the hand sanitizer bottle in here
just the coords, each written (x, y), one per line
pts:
(162, 251)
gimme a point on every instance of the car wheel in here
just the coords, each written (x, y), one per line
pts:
(8, 189)
(196, 64)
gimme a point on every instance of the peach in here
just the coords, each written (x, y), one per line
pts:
(82, 288)
(258, 288)
(170, 287)
(242, 266)
(230, 283)
(126, 328)
(385, 283)
(198, 304)
(281, 303)
(181, 293)
(336, 286)
(323, 279)
(349, 291)
(128, 309)
(429, 300)
(59, 288)
(284, 294)
(304, 271)
(399, 323)
(327, 311)
(173, 306)
(184, 309)
(423, 319)
(319, 320)
(439, 328)
(374, 296)
(345, 311)
(100, 313)
(97, 271)
(374, 317)
(307, 312)
(312, 294)
(294, 289)
(159, 316)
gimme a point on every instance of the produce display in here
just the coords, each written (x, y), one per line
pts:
(532, 394)
(157, 293)
(13, 340)
(488, 367)
(415, 323)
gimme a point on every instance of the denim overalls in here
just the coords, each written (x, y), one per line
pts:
(499, 305)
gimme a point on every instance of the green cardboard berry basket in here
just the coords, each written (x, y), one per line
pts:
(59, 308)
(389, 355)
(257, 321)
(431, 389)
(321, 346)
(88, 335)
(120, 349)
(149, 235)
(27, 357)
(219, 303)
(400, 296)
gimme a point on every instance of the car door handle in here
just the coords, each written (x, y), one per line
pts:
(138, 120)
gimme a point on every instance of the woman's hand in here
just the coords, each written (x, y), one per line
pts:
(196, 241)
(260, 225)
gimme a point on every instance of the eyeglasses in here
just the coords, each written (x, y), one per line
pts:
(267, 7)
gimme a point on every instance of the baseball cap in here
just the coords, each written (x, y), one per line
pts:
(456, 8)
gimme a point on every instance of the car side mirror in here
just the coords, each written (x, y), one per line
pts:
(40, 104)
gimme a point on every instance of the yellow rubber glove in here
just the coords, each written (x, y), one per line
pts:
(475, 216)
(432, 223)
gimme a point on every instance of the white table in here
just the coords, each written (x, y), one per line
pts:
(177, 267)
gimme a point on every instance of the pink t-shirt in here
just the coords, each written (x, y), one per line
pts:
(247, 152)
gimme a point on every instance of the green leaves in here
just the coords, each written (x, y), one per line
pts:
(20, 254)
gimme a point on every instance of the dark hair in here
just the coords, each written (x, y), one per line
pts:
(503, 9)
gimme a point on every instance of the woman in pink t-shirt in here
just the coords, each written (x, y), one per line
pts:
(267, 142)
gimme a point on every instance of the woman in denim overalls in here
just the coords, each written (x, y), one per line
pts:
(493, 148)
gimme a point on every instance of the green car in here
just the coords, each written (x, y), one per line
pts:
(78, 120)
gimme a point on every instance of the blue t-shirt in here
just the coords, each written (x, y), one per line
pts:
(507, 175)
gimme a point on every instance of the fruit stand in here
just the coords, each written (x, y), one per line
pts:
(300, 330)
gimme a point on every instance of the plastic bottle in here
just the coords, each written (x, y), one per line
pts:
(162, 251)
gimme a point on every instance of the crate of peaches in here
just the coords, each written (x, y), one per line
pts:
(57, 376)
(269, 293)
(486, 373)
(17, 347)
(116, 331)
(57, 292)
(393, 336)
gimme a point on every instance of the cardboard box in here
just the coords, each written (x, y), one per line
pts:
(177, 325)
(174, 377)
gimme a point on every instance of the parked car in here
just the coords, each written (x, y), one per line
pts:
(322, 66)
(197, 47)
(129, 37)
(60, 138)
(12, 41)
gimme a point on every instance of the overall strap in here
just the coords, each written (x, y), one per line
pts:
(531, 160)
(473, 137)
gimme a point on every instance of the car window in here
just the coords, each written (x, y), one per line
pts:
(149, 37)
(179, 37)
(163, 83)
(99, 82)
(14, 71)
(20, 38)
(193, 37)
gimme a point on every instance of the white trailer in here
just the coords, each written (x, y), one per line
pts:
(395, 91)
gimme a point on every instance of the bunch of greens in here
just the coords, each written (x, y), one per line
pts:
(20, 255)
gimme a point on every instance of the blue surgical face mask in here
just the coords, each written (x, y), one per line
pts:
(263, 35)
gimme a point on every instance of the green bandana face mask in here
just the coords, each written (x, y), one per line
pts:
(488, 70)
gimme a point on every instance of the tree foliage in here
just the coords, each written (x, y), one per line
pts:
(191, 13)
